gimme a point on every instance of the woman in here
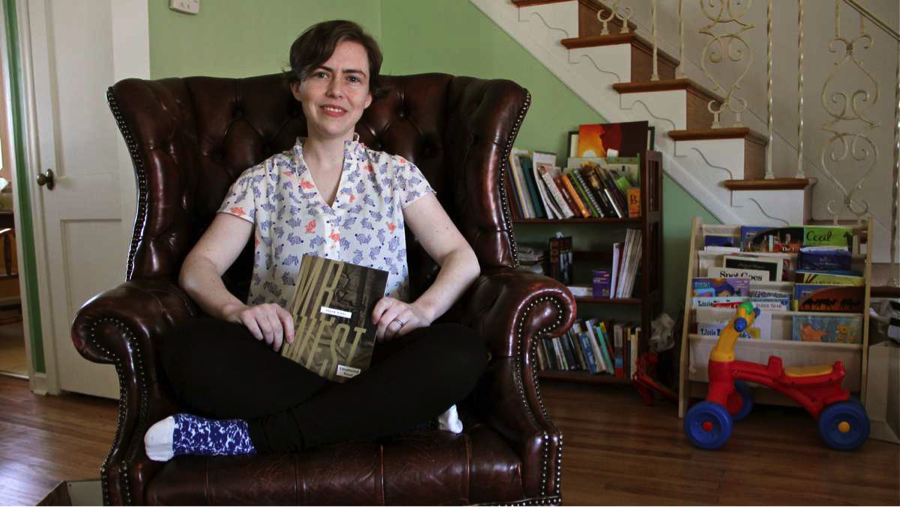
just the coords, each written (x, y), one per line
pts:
(333, 197)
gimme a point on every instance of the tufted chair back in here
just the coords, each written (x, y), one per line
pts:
(198, 134)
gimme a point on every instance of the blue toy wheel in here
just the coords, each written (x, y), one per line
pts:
(746, 394)
(844, 426)
(708, 425)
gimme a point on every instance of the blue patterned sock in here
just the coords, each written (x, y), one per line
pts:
(197, 436)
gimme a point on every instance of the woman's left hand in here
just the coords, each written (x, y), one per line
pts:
(395, 318)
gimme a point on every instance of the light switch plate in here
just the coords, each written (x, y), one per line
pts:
(185, 6)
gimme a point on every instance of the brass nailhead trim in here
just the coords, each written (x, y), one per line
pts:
(545, 468)
(143, 193)
(507, 216)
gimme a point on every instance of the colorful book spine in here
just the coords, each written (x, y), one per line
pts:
(570, 187)
(521, 189)
(533, 192)
(546, 175)
(582, 186)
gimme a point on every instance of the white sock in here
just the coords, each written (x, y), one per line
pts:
(449, 421)
(159, 440)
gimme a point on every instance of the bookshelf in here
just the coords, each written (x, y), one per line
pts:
(646, 301)
(695, 348)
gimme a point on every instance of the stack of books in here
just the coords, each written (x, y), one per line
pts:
(593, 346)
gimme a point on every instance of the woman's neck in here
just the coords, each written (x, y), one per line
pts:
(324, 154)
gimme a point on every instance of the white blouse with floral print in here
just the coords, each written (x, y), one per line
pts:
(363, 226)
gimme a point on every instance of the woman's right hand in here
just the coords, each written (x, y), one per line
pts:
(268, 322)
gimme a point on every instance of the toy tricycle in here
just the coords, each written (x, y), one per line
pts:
(843, 422)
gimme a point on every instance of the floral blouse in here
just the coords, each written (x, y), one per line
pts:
(363, 226)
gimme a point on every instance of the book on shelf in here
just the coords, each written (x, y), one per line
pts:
(521, 189)
(827, 328)
(793, 238)
(581, 291)
(616, 262)
(541, 158)
(720, 287)
(828, 298)
(331, 307)
(570, 189)
(824, 259)
(755, 275)
(631, 260)
(773, 266)
(718, 302)
(590, 209)
(561, 259)
(596, 188)
(619, 341)
(853, 278)
(634, 202)
(711, 322)
(526, 161)
(548, 175)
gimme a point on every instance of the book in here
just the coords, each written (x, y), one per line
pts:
(585, 193)
(525, 160)
(331, 306)
(720, 287)
(776, 239)
(613, 192)
(595, 186)
(723, 240)
(828, 298)
(717, 302)
(827, 329)
(766, 292)
(564, 191)
(634, 202)
(614, 278)
(521, 188)
(853, 278)
(601, 283)
(627, 139)
(604, 346)
(828, 236)
(633, 252)
(824, 259)
(773, 266)
(573, 194)
(561, 256)
(772, 303)
(619, 341)
(602, 364)
(540, 158)
(711, 322)
(548, 175)
(754, 275)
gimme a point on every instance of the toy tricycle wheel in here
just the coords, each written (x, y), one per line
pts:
(708, 425)
(743, 391)
(844, 426)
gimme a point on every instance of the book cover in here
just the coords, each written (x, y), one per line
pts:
(331, 306)
(582, 187)
(627, 139)
(561, 360)
(616, 258)
(613, 191)
(828, 236)
(827, 259)
(754, 275)
(765, 293)
(537, 204)
(594, 343)
(724, 240)
(717, 302)
(828, 298)
(711, 322)
(521, 188)
(600, 283)
(538, 159)
(776, 239)
(548, 175)
(720, 287)
(853, 278)
(748, 231)
(573, 193)
(773, 266)
(564, 191)
(634, 202)
(602, 343)
(827, 329)
(588, 353)
(619, 339)
(772, 303)
(561, 259)
(595, 187)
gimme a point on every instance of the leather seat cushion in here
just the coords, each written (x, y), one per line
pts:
(420, 468)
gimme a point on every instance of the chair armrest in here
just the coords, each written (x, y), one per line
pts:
(512, 309)
(122, 327)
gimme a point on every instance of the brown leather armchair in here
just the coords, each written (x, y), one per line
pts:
(189, 140)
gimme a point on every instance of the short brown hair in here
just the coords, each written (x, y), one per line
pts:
(317, 43)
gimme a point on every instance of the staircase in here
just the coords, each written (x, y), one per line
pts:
(724, 169)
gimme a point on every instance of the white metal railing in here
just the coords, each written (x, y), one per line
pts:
(849, 125)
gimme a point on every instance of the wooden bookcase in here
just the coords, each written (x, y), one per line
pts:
(647, 294)
(693, 380)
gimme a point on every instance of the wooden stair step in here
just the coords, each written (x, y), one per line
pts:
(698, 97)
(754, 147)
(772, 184)
(641, 54)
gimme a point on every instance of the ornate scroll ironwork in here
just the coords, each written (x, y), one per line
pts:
(729, 14)
(850, 124)
(624, 15)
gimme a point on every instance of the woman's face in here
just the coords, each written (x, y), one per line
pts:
(335, 94)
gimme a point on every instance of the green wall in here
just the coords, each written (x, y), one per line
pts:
(239, 38)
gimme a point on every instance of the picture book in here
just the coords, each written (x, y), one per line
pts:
(717, 302)
(776, 240)
(828, 298)
(765, 293)
(824, 259)
(827, 329)
(721, 240)
(853, 278)
(711, 322)
(331, 306)
(772, 303)
(628, 139)
(720, 287)
(828, 236)
(773, 265)
(754, 275)
(748, 232)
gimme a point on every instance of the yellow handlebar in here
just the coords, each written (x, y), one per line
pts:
(743, 319)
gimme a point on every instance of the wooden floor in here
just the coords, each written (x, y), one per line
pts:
(617, 451)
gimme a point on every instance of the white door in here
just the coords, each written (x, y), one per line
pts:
(77, 49)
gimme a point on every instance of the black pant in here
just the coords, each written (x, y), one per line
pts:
(219, 370)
